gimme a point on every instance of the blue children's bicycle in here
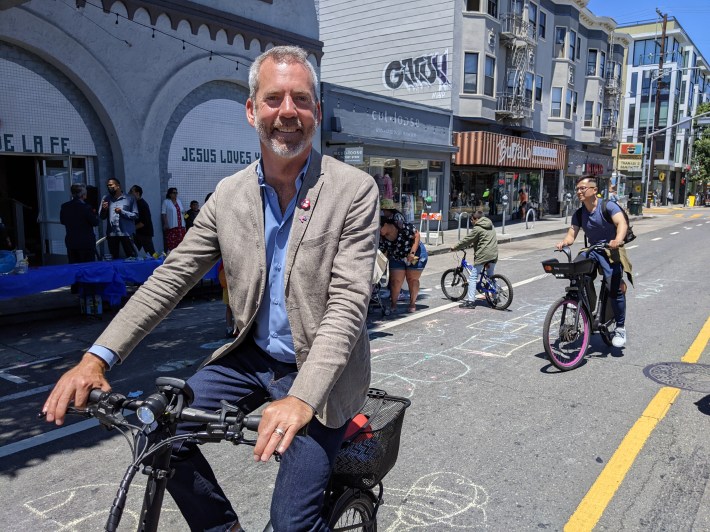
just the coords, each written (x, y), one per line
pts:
(497, 288)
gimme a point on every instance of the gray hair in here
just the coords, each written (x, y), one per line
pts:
(281, 55)
(78, 190)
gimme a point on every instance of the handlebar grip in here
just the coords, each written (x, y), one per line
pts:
(96, 395)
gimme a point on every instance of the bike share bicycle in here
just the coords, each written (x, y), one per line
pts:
(497, 289)
(368, 453)
(573, 318)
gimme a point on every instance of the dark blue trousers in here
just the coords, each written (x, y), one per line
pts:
(248, 378)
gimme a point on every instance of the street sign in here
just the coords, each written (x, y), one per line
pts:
(661, 176)
(630, 164)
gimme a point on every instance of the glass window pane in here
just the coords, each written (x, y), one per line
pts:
(470, 74)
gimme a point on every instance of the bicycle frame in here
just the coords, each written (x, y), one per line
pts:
(581, 288)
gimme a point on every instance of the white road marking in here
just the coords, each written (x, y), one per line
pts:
(81, 426)
(632, 247)
(41, 439)
(26, 393)
(436, 310)
(19, 380)
(658, 238)
(675, 232)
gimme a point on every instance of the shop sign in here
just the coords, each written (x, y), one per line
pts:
(630, 148)
(415, 73)
(630, 164)
(227, 146)
(18, 143)
(353, 155)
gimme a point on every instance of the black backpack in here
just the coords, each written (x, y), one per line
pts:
(630, 236)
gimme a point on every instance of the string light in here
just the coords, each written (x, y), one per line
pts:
(154, 30)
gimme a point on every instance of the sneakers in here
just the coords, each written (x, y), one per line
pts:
(619, 339)
(468, 304)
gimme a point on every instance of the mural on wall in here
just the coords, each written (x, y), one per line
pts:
(418, 73)
(214, 140)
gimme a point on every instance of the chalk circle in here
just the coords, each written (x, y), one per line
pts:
(683, 375)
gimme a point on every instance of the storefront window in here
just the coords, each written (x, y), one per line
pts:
(407, 182)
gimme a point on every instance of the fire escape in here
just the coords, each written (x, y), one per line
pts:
(514, 105)
(612, 99)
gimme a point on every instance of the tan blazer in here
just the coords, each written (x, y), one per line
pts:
(328, 270)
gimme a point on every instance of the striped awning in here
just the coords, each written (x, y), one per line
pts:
(493, 149)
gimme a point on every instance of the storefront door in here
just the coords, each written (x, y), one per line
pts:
(55, 176)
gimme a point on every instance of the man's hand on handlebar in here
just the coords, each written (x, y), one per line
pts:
(280, 422)
(615, 244)
(75, 386)
(561, 244)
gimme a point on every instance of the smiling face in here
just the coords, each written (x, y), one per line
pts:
(284, 110)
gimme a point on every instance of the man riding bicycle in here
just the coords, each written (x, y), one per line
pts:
(297, 234)
(484, 241)
(613, 261)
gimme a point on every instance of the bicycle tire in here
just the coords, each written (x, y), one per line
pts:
(454, 284)
(567, 348)
(356, 510)
(501, 296)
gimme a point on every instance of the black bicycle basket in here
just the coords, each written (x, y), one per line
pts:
(368, 455)
(568, 269)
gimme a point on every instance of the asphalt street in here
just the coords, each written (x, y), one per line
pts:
(496, 438)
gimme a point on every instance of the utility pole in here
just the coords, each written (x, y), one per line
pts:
(657, 106)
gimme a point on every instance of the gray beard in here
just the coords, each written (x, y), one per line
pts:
(284, 150)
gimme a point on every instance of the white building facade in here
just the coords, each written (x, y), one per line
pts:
(149, 92)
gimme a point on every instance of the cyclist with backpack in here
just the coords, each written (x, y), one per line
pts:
(604, 222)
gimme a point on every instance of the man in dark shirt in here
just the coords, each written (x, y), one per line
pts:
(143, 239)
(191, 214)
(79, 219)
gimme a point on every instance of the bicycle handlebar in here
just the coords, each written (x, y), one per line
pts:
(170, 404)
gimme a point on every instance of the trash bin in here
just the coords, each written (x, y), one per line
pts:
(691, 200)
(635, 207)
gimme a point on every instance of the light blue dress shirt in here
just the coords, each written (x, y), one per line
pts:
(272, 331)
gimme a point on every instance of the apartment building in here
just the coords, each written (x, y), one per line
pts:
(533, 87)
(684, 83)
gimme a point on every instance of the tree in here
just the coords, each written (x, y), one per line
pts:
(700, 163)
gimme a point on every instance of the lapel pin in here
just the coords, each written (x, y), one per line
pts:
(306, 204)
(303, 219)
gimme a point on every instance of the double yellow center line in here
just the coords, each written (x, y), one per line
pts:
(600, 494)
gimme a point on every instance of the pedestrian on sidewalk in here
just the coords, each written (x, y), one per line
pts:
(669, 198)
(79, 219)
(407, 259)
(120, 212)
(173, 215)
(144, 225)
(484, 241)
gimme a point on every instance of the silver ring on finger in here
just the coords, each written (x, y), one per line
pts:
(280, 432)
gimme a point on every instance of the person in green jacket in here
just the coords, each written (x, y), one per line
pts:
(484, 242)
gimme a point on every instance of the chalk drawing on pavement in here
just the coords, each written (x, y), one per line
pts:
(400, 372)
(439, 501)
(65, 509)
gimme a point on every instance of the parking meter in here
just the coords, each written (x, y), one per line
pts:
(568, 201)
(504, 201)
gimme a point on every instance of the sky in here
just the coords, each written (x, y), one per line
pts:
(693, 15)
